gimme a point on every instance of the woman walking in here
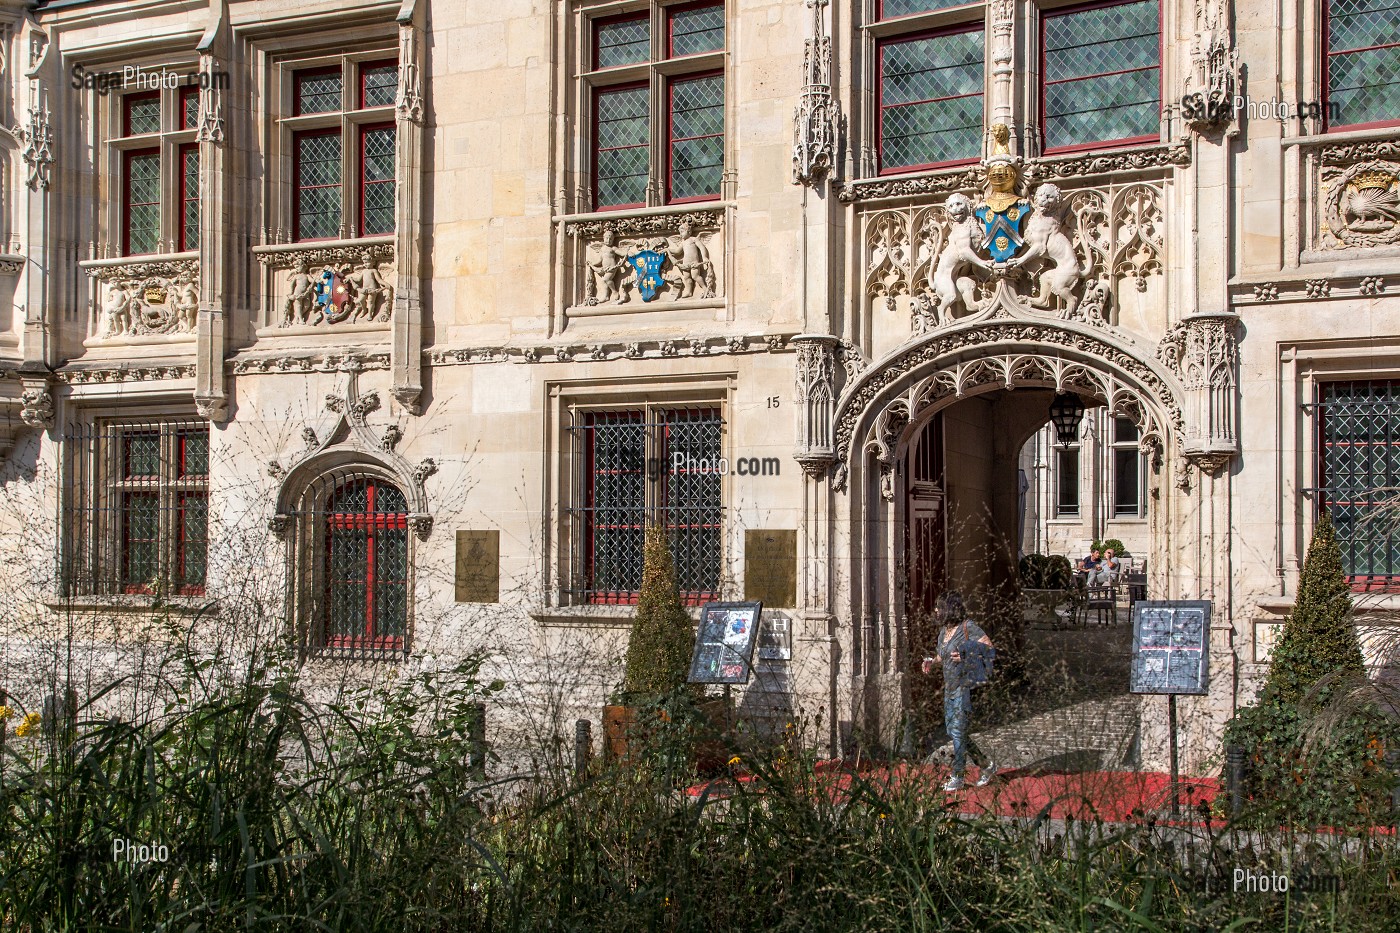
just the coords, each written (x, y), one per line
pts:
(964, 650)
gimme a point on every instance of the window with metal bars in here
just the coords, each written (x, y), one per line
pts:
(351, 549)
(1362, 75)
(158, 160)
(657, 81)
(1101, 70)
(645, 465)
(1359, 476)
(930, 95)
(343, 140)
(136, 516)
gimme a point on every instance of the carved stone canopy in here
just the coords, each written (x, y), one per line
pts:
(344, 438)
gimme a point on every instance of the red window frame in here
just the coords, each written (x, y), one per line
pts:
(881, 17)
(300, 76)
(127, 158)
(671, 81)
(1104, 143)
(127, 101)
(372, 523)
(880, 95)
(1327, 56)
(188, 239)
(361, 89)
(598, 92)
(609, 597)
(298, 187)
(644, 16)
(671, 12)
(188, 94)
(361, 183)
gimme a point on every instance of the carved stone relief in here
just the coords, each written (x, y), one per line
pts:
(144, 298)
(1210, 84)
(652, 258)
(325, 286)
(815, 396)
(1362, 205)
(818, 113)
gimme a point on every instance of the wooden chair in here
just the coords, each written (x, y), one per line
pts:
(1102, 603)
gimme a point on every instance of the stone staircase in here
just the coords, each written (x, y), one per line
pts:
(1097, 735)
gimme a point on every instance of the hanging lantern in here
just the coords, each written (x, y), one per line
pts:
(1065, 413)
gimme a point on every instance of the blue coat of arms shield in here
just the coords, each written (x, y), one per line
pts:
(648, 264)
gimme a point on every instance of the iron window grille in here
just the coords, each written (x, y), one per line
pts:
(1358, 468)
(1361, 79)
(636, 467)
(136, 512)
(657, 96)
(343, 140)
(156, 159)
(930, 94)
(351, 551)
(1102, 75)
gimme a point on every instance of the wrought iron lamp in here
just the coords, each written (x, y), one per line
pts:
(1065, 413)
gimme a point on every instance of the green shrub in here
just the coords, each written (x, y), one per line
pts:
(1118, 549)
(662, 638)
(1045, 572)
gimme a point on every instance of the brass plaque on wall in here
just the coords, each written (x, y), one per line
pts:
(770, 567)
(478, 574)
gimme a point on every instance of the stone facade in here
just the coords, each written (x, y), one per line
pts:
(1200, 283)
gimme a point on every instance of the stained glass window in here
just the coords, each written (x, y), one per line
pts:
(696, 137)
(1359, 475)
(1363, 61)
(142, 197)
(318, 91)
(379, 84)
(1102, 74)
(621, 146)
(189, 196)
(377, 187)
(930, 100)
(623, 41)
(318, 167)
(696, 29)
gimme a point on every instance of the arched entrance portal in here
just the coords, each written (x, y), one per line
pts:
(926, 443)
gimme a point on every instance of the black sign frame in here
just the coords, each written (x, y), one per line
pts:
(719, 657)
(1169, 634)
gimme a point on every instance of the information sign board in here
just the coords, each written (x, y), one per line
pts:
(725, 642)
(1171, 646)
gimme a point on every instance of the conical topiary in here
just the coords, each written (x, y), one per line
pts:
(1318, 636)
(659, 649)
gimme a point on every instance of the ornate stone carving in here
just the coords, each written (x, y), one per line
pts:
(327, 363)
(1133, 160)
(1201, 351)
(408, 102)
(1318, 288)
(148, 297)
(818, 113)
(815, 396)
(1372, 285)
(1266, 291)
(646, 225)
(338, 294)
(422, 525)
(77, 375)
(390, 437)
(1350, 153)
(36, 403)
(278, 525)
(211, 407)
(635, 350)
(1210, 85)
(941, 183)
(211, 120)
(1049, 244)
(685, 266)
(1362, 207)
(37, 136)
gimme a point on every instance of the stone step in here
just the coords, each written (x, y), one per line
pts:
(1094, 735)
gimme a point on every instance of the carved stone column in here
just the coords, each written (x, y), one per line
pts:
(407, 349)
(210, 393)
(1003, 53)
(1202, 348)
(815, 395)
(38, 346)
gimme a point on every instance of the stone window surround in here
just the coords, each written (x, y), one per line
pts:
(173, 137)
(1115, 446)
(656, 74)
(714, 389)
(1026, 96)
(350, 121)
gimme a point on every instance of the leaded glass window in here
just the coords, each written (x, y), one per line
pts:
(141, 187)
(318, 91)
(1363, 61)
(377, 185)
(1128, 470)
(189, 108)
(696, 154)
(1359, 475)
(189, 196)
(658, 103)
(930, 100)
(318, 164)
(135, 519)
(890, 9)
(1102, 74)
(1067, 481)
(621, 136)
(379, 84)
(641, 466)
(142, 114)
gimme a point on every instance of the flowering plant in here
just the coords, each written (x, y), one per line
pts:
(28, 725)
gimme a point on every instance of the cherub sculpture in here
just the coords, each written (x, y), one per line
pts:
(957, 255)
(117, 310)
(1047, 242)
(609, 268)
(301, 292)
(691, 259)
(368, 291)
(186, 302)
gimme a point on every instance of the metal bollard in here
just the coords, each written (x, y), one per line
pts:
(1234, 777)
(476, 742)
(583, 746)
